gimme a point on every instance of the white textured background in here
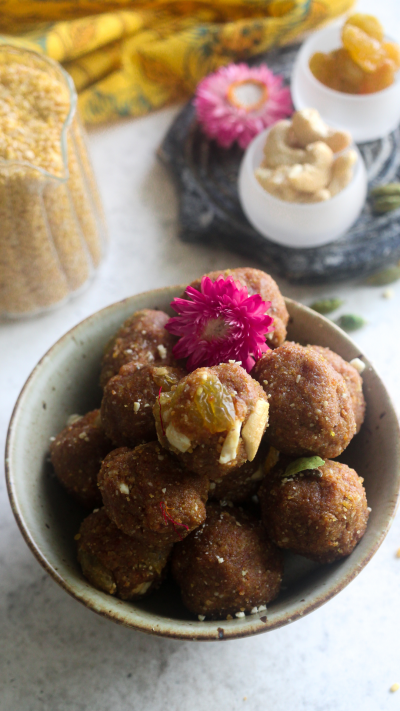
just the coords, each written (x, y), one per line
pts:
(57, 656)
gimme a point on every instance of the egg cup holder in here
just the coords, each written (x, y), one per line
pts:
(210, 211)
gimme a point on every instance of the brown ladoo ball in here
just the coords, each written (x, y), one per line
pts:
(117, 564)
(352, 379)
(128, 400)
(76, 455)
(228, 566)
(319, 517)
(148, 494)
(213, 420)
(258, 282)
(310, 406)
(141, 340)
(241, 484)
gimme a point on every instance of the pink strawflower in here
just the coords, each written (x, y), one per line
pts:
(237, 102)
(219, 323)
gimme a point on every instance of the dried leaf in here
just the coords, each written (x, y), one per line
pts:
(325, 306)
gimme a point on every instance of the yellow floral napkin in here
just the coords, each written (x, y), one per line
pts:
(128, 57)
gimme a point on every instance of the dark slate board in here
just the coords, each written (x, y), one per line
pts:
(210, 212)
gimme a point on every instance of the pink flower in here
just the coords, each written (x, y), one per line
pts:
(237, 102)
(220, 323)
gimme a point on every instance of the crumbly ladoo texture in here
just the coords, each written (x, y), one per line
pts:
(240, 484)
(128, 400)
(319, 517)
(148, 494)
(228, 566)
(311, 410)
(77, 453)
(352, 379)
(141, 340)
(117, 564)
(258, 282)
(214, 420)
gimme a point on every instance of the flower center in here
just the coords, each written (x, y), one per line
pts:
(215, 329)
(248, 94)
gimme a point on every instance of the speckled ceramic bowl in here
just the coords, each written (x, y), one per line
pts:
(65, 381)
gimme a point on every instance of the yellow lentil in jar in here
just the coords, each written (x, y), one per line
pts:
(52, 228)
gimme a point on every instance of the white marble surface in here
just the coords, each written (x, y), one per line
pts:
(54, 654)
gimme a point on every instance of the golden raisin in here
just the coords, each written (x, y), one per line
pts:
(322, 67)
(392, 51)
(368, 24)
(365, 51)
(379, 79)
(215, 405)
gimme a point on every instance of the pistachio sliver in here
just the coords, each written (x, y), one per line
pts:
(350, 322)
(325, 306)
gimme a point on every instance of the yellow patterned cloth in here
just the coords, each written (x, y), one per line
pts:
(128, 57)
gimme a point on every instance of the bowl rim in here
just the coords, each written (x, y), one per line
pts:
(192, 630)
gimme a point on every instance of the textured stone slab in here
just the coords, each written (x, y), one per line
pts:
(210, 212)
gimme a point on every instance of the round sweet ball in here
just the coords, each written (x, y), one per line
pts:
(311, 411)
(352, 379)
(148, 494)
(228, 567)
(213, 420)
(117, 564)
(128, 400)
(141, 340)
(318, 513)
(77, 453)
(258, 282)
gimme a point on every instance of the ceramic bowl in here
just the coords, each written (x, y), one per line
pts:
(296, 224)
(65, 381)
(368, 117)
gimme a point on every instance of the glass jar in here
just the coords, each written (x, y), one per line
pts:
(52, 226)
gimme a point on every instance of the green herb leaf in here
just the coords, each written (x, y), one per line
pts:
(350, 322)
(386, 276)
(325, 306)
(302, 464)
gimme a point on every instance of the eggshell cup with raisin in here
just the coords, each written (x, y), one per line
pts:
(352, 379)
(141, 340)
(228, 566)
(76, 455)
(319, 514)
(258, 282)
(116, 563)
(148, 494)
(310, 406)
(128, 400)
(213, 420)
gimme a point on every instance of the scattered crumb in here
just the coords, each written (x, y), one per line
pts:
(136, 406)
(394, 687)
(240, 614)
(220, 560)
(398, 553)
(162, 351)
(388, 294)
(201, 617)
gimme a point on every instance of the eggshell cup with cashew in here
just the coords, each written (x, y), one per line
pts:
(295, 224)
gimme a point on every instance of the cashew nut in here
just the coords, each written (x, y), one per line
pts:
(342, 172)
(276, 183)
(277, 150)
(308, 127)
(315, 172)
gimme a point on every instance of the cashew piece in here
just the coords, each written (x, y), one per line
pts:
(342, 172)
(277, 151)
(315, 173)
(308, 127)
(276, 183)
